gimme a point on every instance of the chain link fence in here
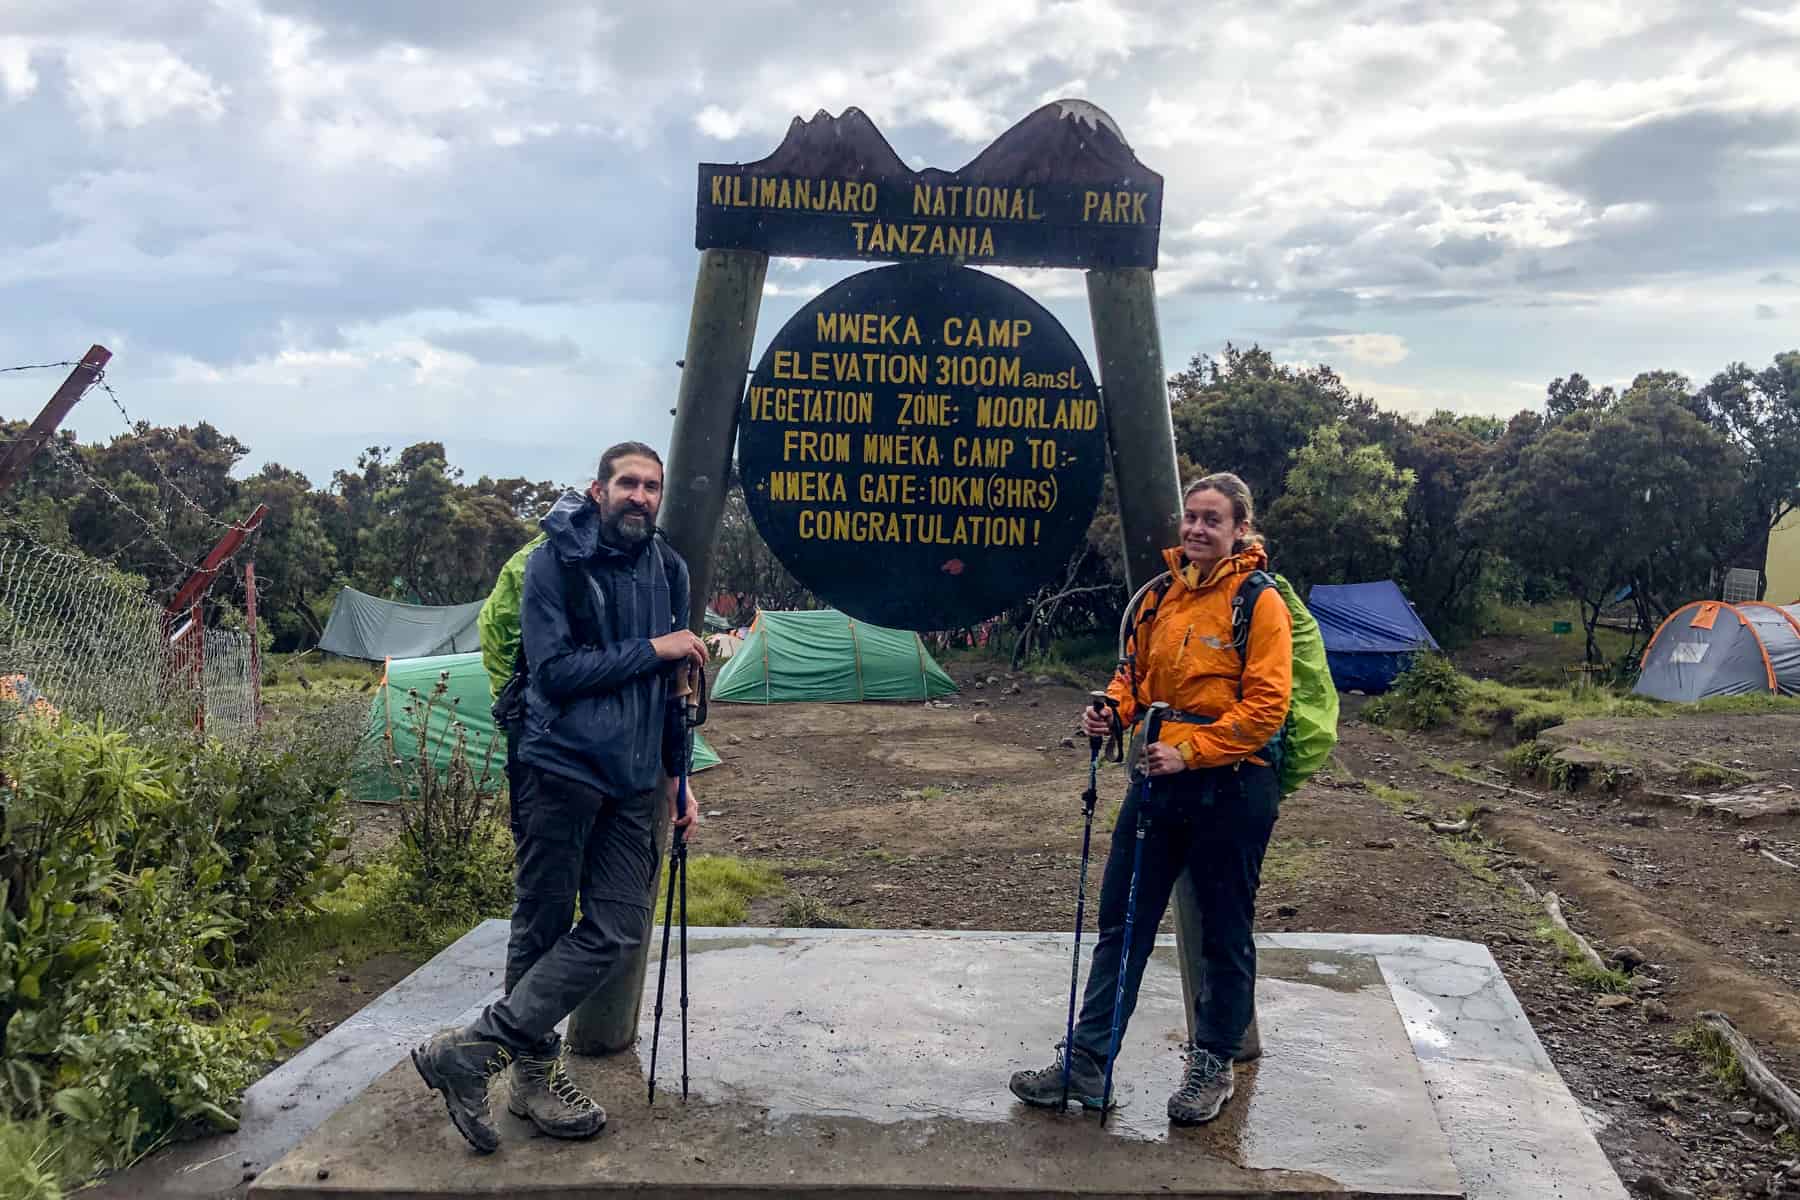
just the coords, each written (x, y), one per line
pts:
(88, 642)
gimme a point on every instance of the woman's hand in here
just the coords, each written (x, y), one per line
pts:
(1096, 724)
(1163, 759)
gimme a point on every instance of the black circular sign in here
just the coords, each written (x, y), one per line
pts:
(922, 446)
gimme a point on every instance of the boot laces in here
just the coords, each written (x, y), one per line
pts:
(1203, 1066)
(562, 1085)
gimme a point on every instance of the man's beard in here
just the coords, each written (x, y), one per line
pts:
(619, 529)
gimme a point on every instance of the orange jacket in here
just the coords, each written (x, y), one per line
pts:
(1184, 657)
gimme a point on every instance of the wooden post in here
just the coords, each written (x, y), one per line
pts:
(727, 299)
(14, 459)
(1140, 436)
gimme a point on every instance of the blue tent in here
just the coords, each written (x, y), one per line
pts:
(1371, 633)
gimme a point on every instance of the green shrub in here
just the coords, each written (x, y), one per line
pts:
(454, 854)
(133, 869)
(1428, 695)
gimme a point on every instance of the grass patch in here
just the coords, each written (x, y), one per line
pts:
(805, 912)
(1789, 1142)
(1702, 774)
(1754, 705)
(883, 858)
(720, 888)
(1291, 859)
(1471, 854)
(1715, 1054)
(1579, 968)
(1396, 800)
(1452, 770)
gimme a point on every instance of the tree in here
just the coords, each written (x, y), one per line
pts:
(1247, 414)
(1339, 518)
(1439, 560)
(1607, 499)
(1759, 413)
(743, 565)
(296, 562)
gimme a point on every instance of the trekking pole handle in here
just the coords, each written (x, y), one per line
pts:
(1099, 702)
(1153, 723)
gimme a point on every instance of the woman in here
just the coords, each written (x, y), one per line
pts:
(1214, 795)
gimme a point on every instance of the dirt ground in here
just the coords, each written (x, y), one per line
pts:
(965, 814)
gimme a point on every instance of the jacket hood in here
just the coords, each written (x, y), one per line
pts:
(1251, 558)
(573, 526)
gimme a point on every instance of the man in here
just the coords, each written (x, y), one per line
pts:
(604, 614)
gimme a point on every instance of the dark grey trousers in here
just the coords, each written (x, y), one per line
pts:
(574, 842)
(1216, 824)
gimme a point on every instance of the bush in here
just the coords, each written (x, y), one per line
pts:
(1427, 695)
(132, 869)
(455, 856)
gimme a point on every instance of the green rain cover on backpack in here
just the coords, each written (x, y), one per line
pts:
(1310, 734)
(1311, 730)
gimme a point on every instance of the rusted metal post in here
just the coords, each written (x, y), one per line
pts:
(16, 458)
(255, 648)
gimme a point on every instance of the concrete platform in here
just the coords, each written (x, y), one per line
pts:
(874, 1064)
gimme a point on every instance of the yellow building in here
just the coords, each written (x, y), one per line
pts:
(1783, 567)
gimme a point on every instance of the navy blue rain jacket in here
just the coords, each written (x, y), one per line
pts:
(598, 706)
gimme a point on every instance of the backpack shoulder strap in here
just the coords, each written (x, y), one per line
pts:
(1243, 607)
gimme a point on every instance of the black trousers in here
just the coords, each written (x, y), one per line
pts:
(574, 842)
(1216, 824)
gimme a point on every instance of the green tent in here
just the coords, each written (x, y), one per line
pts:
(828, 657)
(465, 699)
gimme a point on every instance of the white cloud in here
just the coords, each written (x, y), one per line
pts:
(715, 122)
(17, 79)
(1364, 349)
(130, 84)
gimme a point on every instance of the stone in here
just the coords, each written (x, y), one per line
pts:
(1627, 958)
(1067, 743)
(982, 718)
(979, 684)
(1042, 680)
(734, 740)
(1655, 1011)
(1382, 844)
(993, 681)
(1613, 1001)
(1287, 910)
(1741, 1117)
(1641, 819)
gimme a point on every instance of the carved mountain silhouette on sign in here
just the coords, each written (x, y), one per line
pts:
(1060, 188)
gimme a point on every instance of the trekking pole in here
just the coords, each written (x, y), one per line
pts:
(691, 715)
(1152, 727)
(1089, 799)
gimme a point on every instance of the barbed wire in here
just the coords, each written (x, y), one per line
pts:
(69, 460)
(131, 425)
(37, 367)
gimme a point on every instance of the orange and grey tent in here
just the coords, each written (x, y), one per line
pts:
(1712, 648)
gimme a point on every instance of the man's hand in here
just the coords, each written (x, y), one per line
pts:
(683, 643)
(1163, 759)
(690, 822)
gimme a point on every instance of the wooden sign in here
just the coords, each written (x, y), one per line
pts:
(1059, 189)
(922, 446)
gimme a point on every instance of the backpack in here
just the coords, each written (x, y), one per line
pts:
(1309, 734)
(500, 625)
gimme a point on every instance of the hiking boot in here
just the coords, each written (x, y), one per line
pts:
(1205, 1087)
(543, 1094)
(459, 1065)
(1044, 1088)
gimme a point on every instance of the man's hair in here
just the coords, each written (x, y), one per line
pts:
(623, 450)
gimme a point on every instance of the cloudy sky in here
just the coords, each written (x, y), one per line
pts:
(322, 224)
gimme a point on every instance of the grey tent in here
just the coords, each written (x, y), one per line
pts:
(1716, 649)
(365, 626)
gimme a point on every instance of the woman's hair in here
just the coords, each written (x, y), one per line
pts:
(1243, 507)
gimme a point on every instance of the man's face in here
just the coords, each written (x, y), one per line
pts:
(629, 500)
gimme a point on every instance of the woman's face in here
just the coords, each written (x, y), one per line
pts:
(1208, 528)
